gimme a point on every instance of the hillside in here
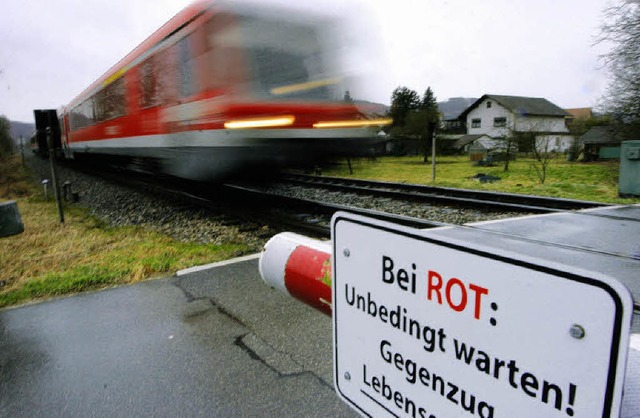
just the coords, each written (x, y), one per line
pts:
(371, 108)
(451, 108)
(23, 129)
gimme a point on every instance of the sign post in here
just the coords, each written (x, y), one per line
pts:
(429, 328)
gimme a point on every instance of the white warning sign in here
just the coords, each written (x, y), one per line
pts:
(426, 328)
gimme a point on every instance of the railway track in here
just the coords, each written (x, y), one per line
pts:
(444, 195)
(308, 215)
(438, 198)
(258, 204)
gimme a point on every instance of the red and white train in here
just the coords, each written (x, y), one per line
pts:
(217, 90)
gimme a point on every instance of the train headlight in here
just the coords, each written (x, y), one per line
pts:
(361, 123)
(309, 85)
(255, 123)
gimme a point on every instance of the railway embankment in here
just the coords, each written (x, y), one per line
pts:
(112, 236)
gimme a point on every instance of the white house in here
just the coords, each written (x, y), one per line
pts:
(499, 116)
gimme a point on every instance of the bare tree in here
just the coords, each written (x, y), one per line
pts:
(622, 29)
(533, 137)
(542, 156)
(511, 141)
(541, 136)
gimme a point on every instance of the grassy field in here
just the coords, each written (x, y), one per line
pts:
(51, 259)
(597, 181)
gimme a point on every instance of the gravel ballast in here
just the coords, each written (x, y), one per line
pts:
(437, 213)
(120, 205)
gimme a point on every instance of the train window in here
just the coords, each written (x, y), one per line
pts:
(110, 102)
(223, 43)
(82, 115)
(287, 59)
(187, 82)
(116, 98)
(200, 58)
(149, 84)
(73, 118)
(165, 68)
(100, 105)
(156, 79)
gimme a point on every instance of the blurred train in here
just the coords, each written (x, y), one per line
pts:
(218, 90)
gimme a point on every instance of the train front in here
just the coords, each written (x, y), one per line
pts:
(281, 98)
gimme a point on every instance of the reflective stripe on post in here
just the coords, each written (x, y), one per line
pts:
(300, 267)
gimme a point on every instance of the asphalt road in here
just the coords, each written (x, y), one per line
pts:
(218, 342)
(214, 343)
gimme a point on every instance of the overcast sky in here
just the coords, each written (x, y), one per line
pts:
(51, 50)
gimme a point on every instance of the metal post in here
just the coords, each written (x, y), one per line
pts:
(45, 185)
(66, 191)
(22, 149)
(56, 190)
(433, 154)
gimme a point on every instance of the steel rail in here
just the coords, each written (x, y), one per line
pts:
(298, 205)
(464, 197)
(250, 205)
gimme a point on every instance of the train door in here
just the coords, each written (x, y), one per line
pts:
(62, 122)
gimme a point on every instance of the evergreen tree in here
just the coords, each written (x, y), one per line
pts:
(6, 144)
(414, 117)
(403, 102)
(429, 102)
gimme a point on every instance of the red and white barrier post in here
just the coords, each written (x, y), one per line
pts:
(300, 267)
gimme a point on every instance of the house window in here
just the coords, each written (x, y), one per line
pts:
(475, 123)
(499, 122)
(488, 105)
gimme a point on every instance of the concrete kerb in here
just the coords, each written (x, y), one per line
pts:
(218, 264)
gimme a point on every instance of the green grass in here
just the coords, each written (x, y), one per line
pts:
(51, 259)
(74, 280)
(596, 181)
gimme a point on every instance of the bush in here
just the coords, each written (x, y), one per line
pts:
(6, 144)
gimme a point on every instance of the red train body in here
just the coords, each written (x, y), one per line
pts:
(218, 90)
